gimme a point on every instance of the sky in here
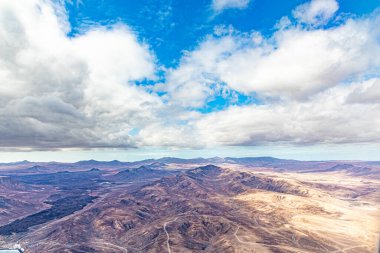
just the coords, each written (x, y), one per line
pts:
(130, 80)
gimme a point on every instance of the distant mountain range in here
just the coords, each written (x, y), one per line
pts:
(263, 160)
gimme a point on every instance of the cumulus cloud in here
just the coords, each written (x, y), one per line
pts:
(299, 62)
(368, 93)
(329, 117)
(191, 84)
(58, 91)
(315, 84)
(312, 82)
(332, 116)
(294, 63)
(220, 5)
(316, 12)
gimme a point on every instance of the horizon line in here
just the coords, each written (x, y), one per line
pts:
(187, 159)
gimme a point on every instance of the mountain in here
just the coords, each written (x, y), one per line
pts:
(95, 163)
(350, 169)
(260, 204)
(7, 183)
(258, 161)
(140, 173)
(15, 163)
(181, 160)
(80, 180)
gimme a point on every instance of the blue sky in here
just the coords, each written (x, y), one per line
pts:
(139, 79)
(171, 27)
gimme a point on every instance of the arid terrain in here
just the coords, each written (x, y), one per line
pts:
(172, 205)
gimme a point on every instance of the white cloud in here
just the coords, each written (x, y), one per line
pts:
(79, 92)
(58, 91)
(368, 93)
(298, 63)
(313, 83)
(175, 135)
(191, 84)
(294, 63)
(316, 12)
(220, 5)
(329, 117)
